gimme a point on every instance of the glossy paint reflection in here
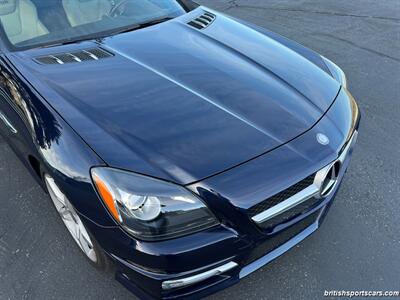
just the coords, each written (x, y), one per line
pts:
(45, 138)
(259, 179)
(185, 104)
(43, 125)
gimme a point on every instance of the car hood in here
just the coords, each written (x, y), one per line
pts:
(182, 104)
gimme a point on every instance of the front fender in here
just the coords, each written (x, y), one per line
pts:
(45, 143)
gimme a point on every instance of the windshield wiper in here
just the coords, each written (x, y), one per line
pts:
(110, 33)
(125, 29)
(141, 25)
(154, 22)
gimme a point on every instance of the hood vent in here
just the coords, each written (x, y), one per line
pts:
(74, 57)
(203, 21)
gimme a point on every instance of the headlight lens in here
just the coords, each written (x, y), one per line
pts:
(337, 72)
(148, 208)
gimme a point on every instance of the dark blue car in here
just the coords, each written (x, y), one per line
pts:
(181, 146)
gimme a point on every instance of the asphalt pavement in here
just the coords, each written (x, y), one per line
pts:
(357, 247)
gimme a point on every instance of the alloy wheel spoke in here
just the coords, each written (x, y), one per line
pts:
(66, 214)
(71, 219)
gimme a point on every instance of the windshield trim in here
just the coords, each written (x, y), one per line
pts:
(187, 6)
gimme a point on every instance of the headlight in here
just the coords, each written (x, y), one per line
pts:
(148, 208)
(337, 72)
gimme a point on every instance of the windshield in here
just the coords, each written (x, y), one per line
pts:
(33, 23)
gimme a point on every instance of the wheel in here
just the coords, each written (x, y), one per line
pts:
(75, 226)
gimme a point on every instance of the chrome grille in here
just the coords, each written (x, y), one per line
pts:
(302, 208)
(302, 195)
(282, 196)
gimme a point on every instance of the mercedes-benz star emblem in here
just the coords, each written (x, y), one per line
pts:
(330, 180)
(322, 139)
(327, 178)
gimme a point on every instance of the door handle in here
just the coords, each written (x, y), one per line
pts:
(7, 123)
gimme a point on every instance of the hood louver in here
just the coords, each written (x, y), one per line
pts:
(203, 21)
(74, 57)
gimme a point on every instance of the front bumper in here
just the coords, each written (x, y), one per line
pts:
(239, 266)
(232, 270)
(203, 263)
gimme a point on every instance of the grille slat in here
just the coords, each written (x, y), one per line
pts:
(282, 237)
(196, 25)
(282, 196)
(74, 57)
(84, 55)
(203, 21)
(49, 60)
(99, 53)
(286, 216)
(65, 58)
(207, 18)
